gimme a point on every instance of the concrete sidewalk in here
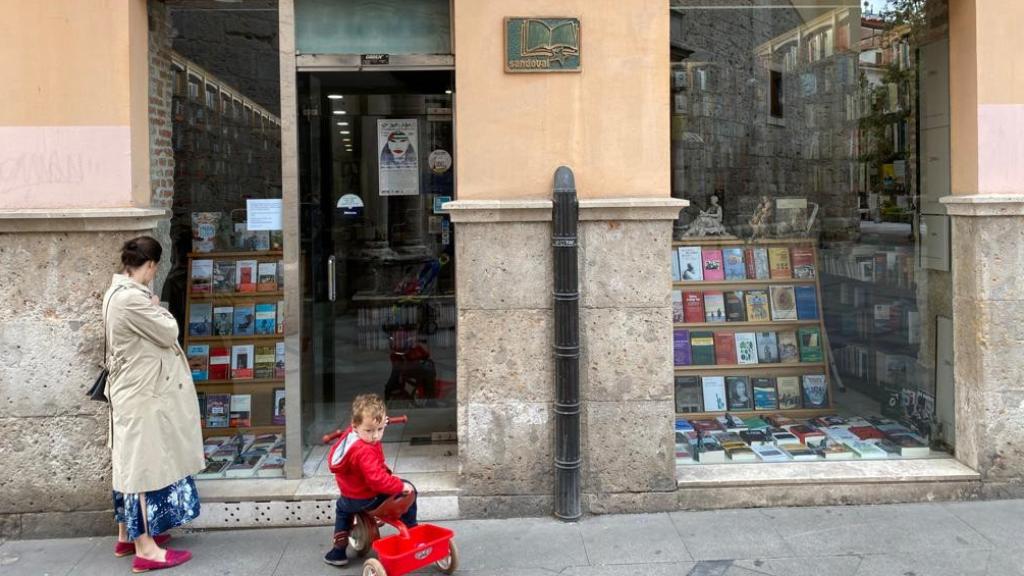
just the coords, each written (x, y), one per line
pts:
(954, 539)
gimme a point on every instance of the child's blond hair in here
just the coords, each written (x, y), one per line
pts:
(368, 407)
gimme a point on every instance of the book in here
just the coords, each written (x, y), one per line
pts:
(713, 388)
(681, 347)
(223, 320)
(809, 338)
(251, 240)
(691, 266)
(761, 268)
(910, 445)
(714, 268)
(866, 450)
(867, 432)
(708, 450)
(201, 397)
(266, 277)
(732, 424)
(808, 435)
(738, 388)
(725, 348)
(245, 276)
(677, 306)
(240, 415)
(766, 397)
(204, 231)
(199, 361)
(815, 391)
(799, 452)
(746, 348)
(783, 438)
(212, 443)
(202, 276)
(702, 348)
(688, 394)
(757, 306)
(778, 262)
(693, 307)
(280, 275)
(802, 261)
(784, 302)
(778, 420)
(756, 437)
(714, 306)
(271, 467)
(214, 469)
(735, 307)
(770, 453)
(247, 464)
(245, 319)
(756, 423)
(279, 360)
(220, 363)
(266, 318)
(767, 348)
(837, 451)
(789, 393)
(789, 350)
(223, 276)
(280, 317)
(263, 366)
(200, 319)
(740, 453)
(217, 409)
(242, 361)
(806, 300)
(735, 269)
(674, 261)
(279, 404)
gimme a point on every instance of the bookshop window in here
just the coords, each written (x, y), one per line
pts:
(811, 273)
(226, 285)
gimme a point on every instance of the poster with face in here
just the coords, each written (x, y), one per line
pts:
(399, 171)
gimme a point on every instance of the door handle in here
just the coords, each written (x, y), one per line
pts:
(331, 288)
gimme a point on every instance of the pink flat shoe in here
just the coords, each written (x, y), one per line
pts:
(122, 549)
(173, 558)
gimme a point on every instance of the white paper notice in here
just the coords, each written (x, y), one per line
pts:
(263, 214)
(399, 172)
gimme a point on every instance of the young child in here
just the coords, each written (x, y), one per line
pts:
(365, 481)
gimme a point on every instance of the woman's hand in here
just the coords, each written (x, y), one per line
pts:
(155, 300)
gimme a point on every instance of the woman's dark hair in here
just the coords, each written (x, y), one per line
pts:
(137, 251)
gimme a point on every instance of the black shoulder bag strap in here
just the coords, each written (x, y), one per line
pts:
(98, 391)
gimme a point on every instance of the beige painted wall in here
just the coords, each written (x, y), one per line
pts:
(987, 96)
(73, 125)
(610, 123)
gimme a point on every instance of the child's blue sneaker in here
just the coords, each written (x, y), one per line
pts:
(336, 557)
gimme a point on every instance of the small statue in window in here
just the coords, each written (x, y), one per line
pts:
(708, 222)
(759, 223)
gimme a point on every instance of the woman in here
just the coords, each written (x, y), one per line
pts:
(156, 440)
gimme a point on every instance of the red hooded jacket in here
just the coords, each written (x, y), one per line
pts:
(359, 468)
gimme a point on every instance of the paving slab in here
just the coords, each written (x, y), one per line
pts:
(632, 539)
(521, 543)
(932, 563)
(34, 557)
(730, 534)
(825, 565)
(991, 519)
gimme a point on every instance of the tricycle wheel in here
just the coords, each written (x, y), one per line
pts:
(373, 567)
(361, 537)
(449, 564)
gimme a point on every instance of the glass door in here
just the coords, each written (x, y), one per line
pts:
(378, 255)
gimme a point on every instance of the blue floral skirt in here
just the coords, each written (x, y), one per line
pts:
(166, 508)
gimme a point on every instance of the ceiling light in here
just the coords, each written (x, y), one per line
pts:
(345, 132)
(342, 123)
(447, 91)
(346, 139)
(335, 96)
(340, 112)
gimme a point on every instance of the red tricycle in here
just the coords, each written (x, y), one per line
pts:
(410, 549)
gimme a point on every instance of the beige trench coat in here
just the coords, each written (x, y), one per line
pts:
(156, 439)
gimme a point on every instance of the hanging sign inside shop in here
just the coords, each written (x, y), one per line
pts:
(542, 45)
(440, 161)
(350, 205)
(375, 59)
(439, 202)
(263, 214)
(399, 170)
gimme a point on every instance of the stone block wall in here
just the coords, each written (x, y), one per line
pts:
(56, 479)
(506, 367)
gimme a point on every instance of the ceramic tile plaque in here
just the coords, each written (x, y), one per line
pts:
(542, 45)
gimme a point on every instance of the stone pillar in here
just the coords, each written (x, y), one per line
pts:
(987, 210)
(506, 368)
